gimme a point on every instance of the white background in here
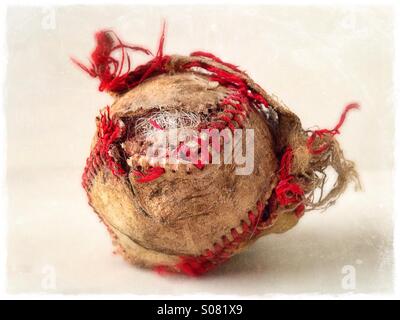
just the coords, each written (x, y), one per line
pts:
(315, 59)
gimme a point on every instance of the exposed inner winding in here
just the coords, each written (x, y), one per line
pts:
(154, 138)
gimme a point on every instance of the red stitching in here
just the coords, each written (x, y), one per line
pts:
(211, 258)
(234, 111)
(108, 133)
(112, 78)
(285, 193)
(241, 97)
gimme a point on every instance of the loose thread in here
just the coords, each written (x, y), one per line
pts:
(109, 69)
(108, 132)
(323, 132)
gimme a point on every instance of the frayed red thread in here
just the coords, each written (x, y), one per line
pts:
(149, 175)
(108, 132)
(287, 191)
(115, 74)
(320, 133)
